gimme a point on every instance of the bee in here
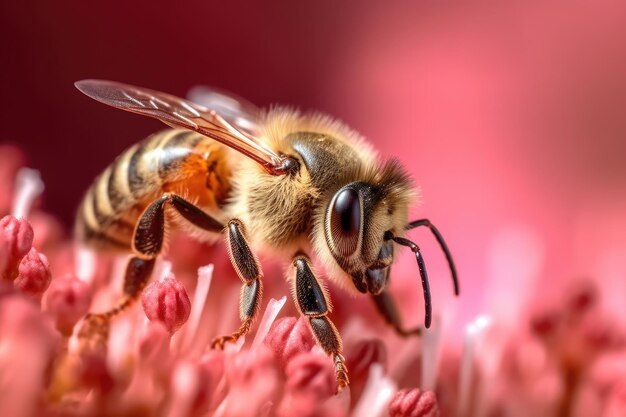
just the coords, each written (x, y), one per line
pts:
(289, 183)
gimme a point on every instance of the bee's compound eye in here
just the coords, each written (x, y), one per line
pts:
(345, 221)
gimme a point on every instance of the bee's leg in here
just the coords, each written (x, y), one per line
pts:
(147, 244)
(387, 308)
(137, 274)
(249, 270)
(312, 302)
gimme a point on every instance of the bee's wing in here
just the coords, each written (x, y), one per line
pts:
(236, 110)
(178, 112)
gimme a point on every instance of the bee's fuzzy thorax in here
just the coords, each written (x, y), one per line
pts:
(279, 122)
(281, 209)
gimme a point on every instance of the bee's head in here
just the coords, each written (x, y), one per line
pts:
(358, 220)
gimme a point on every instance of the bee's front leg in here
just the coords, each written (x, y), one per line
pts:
(387, 308)
(312, 302)
(249, 270)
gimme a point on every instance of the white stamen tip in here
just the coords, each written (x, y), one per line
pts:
(478, 325)
(205, 275)
(473, 332)
(28, 186)
(185, 386)
(163, 270)
(85, 263)
(272, 310)
(430, 354)
(377, 394)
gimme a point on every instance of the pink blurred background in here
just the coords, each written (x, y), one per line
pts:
(510, 117)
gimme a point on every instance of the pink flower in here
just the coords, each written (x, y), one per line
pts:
(192, 386)
(253, 384)
(545, 352)
(34, 274)
(414, 403)
(603, 387)
(67, 301)
(310, 382)
(16, 239)
(360, 358)
(616, 403)
(167, 301)
(288, 337)
(29, 345)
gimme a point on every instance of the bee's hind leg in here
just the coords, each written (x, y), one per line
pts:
(95, 331)
(312, 303)
(247, 267)
(147, 244)
(387, 308)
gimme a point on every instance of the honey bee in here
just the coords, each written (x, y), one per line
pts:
(306, 184)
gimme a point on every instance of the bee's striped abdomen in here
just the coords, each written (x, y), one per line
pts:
(174, 160)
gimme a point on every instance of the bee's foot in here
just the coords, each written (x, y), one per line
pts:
(219, 342)
(342, 382)
(341, 373)
(94, 333)
(96, 321)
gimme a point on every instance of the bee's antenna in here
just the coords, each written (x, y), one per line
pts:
(444, 248)
(423, 275)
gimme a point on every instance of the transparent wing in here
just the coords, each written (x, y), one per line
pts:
(236, 110)
(180, 113)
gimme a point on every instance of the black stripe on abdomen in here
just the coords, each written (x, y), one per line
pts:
(136, 178)
(175, 150)
(118, 190)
